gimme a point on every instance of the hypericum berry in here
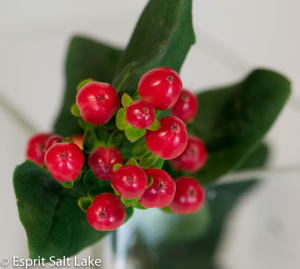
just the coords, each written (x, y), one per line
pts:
(161, 192)
(64, 161)
(36, 148)
(170, 140)
(140, 114)
(160, 87)
(106, 213)
(101, 161)
(189, 196)
(193, 157)
(97, 102)
(78, 140)
(53, 139)
(186, 106)
(129, 181)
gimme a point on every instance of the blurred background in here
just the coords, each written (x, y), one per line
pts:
(232, 38)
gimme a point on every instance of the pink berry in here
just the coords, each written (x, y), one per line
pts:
(101, 160)
(160, 87)
(97, 102)
(193, 157)
(106, 213)
(129, 181)
(53, 139)
(140, 114)
(170, 140)
(189, 196)
(36, 148)
(186, 106)
(161, 192)
(64, 161)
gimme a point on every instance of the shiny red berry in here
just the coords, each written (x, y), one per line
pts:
(36, 148)
(161, 192)
(140, 114)
(64, 161)
(189, 196)
(106, 213)
(170, 140)
(53, 139)
(186, 106)
(129, 181)
(193, 157)
(97, 102)
(160, 87)
(101, 160)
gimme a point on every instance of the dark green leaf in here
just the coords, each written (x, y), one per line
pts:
(159, 163)
(162, 37)
(126, 100)
(232, 121)
(95, 137)
(140, 149)
(134, 134)
(121, 120)
(84, 203)
(154, 126)
(93, 183)
(115, 140)
(86, 59)
(148, 160)
(54, 223)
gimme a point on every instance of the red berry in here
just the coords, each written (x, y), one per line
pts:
(97, 102)
(129, 181)
(193, 157)
(189, 196)
(64, 161)
(161, 192)
(140, 114)
(106, 213)
(101, 161)
(186, 106)
(53, 139)
(36, 148)
(160, 87)
(170, 140)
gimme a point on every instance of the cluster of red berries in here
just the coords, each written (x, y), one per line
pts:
(97, 103)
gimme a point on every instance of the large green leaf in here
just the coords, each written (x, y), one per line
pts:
(233, 120)
(162, 37)
(86, 59)
(54, 223)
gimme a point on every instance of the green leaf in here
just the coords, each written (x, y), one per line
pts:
(132, 161)
(126, 100)
(93, 183)
(154, 126)
(148, 160)
(75, 110)
(95, 137)
(67, 185)
(54, 223)
(139, 206)
(140, 149)
(84, 203)
(115, 140)
(162, 37)
(128, 203)
(82, 83)
(232, 121)
(117, 166)
(134, 134)
(159, 163)
(86, 59)
(121, 120)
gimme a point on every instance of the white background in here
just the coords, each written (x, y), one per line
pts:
(233, 37)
